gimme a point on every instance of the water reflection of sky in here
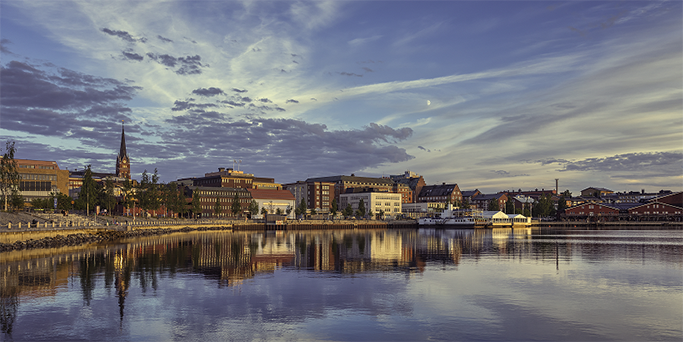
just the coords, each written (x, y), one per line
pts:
(354, 285)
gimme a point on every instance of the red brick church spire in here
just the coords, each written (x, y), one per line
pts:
(122, 161)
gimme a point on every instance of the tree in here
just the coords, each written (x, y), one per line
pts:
(63, 201)
(510, 206)
(89, 190)
(361, 208)
(381, 214)
(493, 205)
(334, 208)
(128, 192)
(544, 207)
(148, 191)
(303, 208)
(348, 211)
(288, 210)
(108, 194)
(253, 208)
(17, 200)
(264, 211)
(313, 212)
(561, 205)
(196, 203)
(278, 211)
(567, 194)
(236, 207)
(465, 204)
(9, 176)
(217, 207)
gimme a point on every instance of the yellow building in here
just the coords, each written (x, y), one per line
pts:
(39, 178)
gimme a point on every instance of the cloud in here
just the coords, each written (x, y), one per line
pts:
(123, 35)
(165, 40)
(628, 162)
(3, 45)
(292, 101)
(344, 73)
(504, 173)
(208, 92)
(264, 142)
(58, 102)
(239, 90)
(189, 65)
(132, 56)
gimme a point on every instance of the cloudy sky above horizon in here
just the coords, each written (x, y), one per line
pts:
(490, 95)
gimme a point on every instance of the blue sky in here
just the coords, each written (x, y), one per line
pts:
(490, 95)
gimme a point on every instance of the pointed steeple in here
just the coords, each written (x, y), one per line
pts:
(122, 161)
(122, 151)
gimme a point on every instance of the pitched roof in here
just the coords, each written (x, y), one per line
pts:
(437, 190)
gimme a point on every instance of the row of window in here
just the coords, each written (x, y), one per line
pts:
(38, 167)
(31, 176)
(35, 186)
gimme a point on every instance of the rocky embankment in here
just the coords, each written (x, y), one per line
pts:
(106, 236)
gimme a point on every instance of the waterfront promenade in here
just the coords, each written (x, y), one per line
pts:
(25, 226)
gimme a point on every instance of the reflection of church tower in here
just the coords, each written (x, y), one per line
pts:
(122, 161)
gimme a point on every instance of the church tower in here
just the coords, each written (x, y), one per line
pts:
(122, 161)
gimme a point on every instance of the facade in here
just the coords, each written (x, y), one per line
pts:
(316, 195)
(342, 183)
(266, 183)
(375, 201)
(656, 211)
(481, 201)
(441, 193)
(39, 178)
(273, 200)
(413, 181)
(208, 195)
(225, 178)
(675, 199)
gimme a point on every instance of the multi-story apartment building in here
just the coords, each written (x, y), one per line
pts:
(317, 195)
(342, 183)
(441, 193)
(210, 195)
(413, 181)
(375, 201)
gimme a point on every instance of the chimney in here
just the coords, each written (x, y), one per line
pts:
(643, 191)
(221, 169)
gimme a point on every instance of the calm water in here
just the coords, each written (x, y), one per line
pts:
(499, 284)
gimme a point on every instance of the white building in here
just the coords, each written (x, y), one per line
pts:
(375, 202)
(272, 200)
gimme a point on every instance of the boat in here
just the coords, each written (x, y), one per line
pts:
(466, 218)
(451, 217)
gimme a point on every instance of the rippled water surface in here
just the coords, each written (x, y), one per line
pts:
(499, 284)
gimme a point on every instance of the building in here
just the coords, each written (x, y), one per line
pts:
(469, 195)
(482, 201)
(413, 181)
(656, 211)
(634, 196)
(225, 197)
(421, 209)
(441, 193)
(316, 195)
(595, 192)
(342, 183)
(39, 178)
(226, 178)
(122, 160)
(273, 200)
(375, 201)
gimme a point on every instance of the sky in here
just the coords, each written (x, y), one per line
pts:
(491, 95)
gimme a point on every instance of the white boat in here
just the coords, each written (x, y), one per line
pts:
(469, 218)
(451, 217)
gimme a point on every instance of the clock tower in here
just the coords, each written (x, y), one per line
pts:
(122, 161)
